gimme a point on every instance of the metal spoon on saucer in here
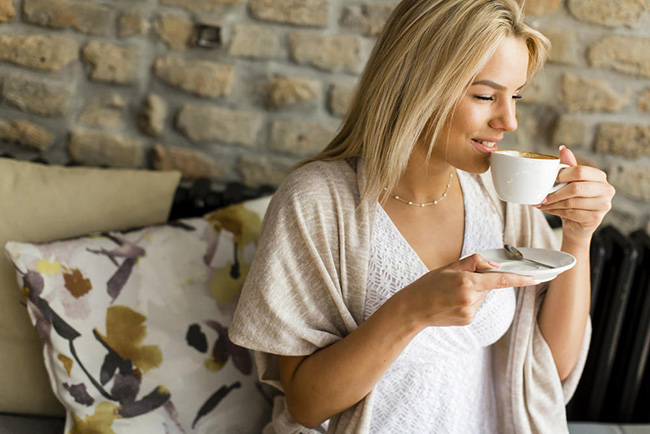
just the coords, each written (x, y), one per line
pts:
(513, 253)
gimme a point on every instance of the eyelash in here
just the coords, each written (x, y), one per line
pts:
(491, 98)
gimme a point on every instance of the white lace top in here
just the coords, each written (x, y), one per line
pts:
(442, 382)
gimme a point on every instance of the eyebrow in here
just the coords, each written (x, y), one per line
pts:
(494, 85)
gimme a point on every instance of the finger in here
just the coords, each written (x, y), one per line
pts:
(581, 173)
(580, 190)
(475, 262)
(567, 156)
(581, 216)
(489, 281)
(587, 203)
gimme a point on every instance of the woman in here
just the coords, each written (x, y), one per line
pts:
(358, 303)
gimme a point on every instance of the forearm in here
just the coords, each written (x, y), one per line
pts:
(563, 315)
(339, 376)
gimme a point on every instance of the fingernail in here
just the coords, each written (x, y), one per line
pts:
(561, 147)
(534, 282)
(494, 264)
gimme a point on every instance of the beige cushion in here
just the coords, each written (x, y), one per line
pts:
(45, 203)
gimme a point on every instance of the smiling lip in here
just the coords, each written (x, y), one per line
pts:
(483, 148)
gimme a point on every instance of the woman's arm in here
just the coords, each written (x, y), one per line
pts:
(337, 377)
(563, 315)
(582, 204)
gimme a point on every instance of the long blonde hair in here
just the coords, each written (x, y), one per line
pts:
(422, 64)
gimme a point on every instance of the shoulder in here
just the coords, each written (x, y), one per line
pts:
(319, 181)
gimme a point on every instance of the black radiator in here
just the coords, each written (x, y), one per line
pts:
(615, 385)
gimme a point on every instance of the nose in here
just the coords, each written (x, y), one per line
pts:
(505, 118)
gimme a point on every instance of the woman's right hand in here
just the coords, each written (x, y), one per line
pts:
(451, 295)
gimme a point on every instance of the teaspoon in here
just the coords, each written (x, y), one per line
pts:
(513, 253)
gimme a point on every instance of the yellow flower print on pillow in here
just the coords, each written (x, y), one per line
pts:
(124, 334)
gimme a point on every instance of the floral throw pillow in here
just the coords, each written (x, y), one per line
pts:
(135, 325)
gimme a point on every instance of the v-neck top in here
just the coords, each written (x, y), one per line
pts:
(442, 382)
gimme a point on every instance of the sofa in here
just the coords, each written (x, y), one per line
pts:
(117, 291)
(116, 294)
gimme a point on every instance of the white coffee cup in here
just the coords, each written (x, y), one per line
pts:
(524, 177)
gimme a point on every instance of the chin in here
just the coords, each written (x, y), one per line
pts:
(477, 167)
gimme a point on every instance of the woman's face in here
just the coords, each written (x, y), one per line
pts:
(486, 111)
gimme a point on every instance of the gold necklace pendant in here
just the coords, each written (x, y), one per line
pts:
(422, 205)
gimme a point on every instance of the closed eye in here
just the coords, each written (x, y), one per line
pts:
(491, 98)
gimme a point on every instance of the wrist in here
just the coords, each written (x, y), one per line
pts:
(404, 307)
(574, 246)
(575, 238)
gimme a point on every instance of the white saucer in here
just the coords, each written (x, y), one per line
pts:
(559, 260)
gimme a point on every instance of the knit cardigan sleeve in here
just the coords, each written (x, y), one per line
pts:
(306, 286)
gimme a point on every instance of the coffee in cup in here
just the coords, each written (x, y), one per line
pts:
(524, 177)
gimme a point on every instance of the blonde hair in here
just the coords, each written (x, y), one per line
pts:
(421, 66)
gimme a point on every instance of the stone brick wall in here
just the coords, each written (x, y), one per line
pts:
(239, 90)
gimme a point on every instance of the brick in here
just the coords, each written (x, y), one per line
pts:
(133, 22)
(630, 140)
(536, 8)
(200, 77)
(215, 124)
(572, 132)
(44, 52)
(254, 41)
(624, 54)
(36, 95)
(110, 63)
(564, 46)
(153, 113)
(590, 95)
(332, 53)
(7, 11)
(201, 5)
(174, 30)
(26, 134)
(286, 91)
(644, 101)
(259, 170)
(368, 18)
(192, 164)
(340, 98)
(103, 111)
(300, 137)
(298, 12)
(631, 180)
(96, 148)
(85, 17)
(609, 13)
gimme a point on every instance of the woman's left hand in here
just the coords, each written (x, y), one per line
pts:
(583, 202)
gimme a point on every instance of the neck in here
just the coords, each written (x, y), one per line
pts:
(423, 181)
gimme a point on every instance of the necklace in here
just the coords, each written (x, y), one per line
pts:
(435, 202)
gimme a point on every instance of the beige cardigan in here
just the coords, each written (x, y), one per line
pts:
(307, 285)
